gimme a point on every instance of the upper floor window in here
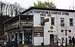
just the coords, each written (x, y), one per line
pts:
(62, 22)
(71, 21)
(52, 20)
(42, 20)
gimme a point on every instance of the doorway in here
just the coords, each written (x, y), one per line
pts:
(51, 39)
(28, 36)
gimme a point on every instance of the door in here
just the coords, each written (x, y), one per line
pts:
(28, 36)
(51, 39)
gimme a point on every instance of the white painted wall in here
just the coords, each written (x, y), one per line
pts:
(36, 21)
(57, 28)
(38, 40)
(46, 34)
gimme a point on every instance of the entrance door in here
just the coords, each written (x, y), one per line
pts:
(51, 39)
(28, 37)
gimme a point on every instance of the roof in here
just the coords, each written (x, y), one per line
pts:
(47, 9)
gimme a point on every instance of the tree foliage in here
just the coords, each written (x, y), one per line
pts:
(45, 5)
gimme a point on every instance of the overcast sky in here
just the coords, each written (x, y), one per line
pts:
(62, 4)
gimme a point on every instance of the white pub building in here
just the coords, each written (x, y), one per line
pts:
(51, 25)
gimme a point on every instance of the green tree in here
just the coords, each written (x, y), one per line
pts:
(45, 5)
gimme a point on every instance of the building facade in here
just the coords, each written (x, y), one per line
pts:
(52, 25)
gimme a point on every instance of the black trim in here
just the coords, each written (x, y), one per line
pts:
(47, 9)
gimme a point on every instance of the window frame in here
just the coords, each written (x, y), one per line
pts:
(71, 21)
(52, 21)
(62, 22)
(42, 21)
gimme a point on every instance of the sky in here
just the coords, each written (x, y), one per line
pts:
(61, 4)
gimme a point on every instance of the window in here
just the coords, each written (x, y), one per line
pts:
(62, 30)
(69, 30)
(71, 21)
(52, 20)
(62, 22)
(42, 20)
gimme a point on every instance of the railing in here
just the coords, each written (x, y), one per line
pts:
(16, 25)
(26, 23)
(38, 29)
(11, 27)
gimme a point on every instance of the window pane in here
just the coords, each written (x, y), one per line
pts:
(52, 20)
(42, 20)
(71, 21)
(62, 22)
